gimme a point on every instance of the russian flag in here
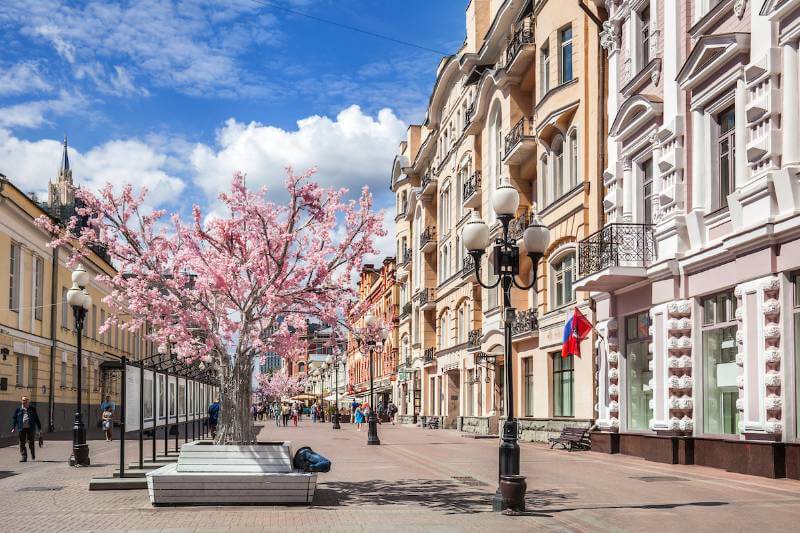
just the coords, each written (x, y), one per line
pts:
(575, 330)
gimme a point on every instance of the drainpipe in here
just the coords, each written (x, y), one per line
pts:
(51, 397)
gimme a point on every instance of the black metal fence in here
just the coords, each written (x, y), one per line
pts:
(617, 244)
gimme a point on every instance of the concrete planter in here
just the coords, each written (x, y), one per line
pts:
(231, 474)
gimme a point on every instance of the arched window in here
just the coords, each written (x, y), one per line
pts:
(573, 158)
(563, 274)
(544, 179)
(495, 146)
(557, 148)
(461, 332)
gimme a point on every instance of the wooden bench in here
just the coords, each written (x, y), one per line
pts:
(432, 422)
(572, 438)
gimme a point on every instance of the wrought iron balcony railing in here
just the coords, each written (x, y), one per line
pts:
(428, 178)
(406, 310)
(522, 36)
(472, 185)
(428, 235)
(467, 265)
(430, 355)
(470, 112)
(523, 128)
(405, 256)
(517, 226)
(427, 296)
(525, 322)
(474, 339)
(617, 244)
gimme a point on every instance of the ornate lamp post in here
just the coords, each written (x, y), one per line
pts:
(333, 360)
(475, 236)
(79, 299)
(372, 420)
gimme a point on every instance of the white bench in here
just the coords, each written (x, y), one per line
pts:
(231, 474)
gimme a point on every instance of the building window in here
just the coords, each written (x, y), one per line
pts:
(64, 309)
(74, 375)
(38, 288)
(544, 75)
(102, 320)
(644, 25)
(462, 333)
(638, 356)
(573, 159)
(545, 181)
(720, 390)
(63, 374)
(563, 368)
(796, 316)
(565, 41)
(13, 282)
(20, 370)
(33, 371)
(557, 147)
(528, 373)
(726, 163)
(647, 191)
(563, 275)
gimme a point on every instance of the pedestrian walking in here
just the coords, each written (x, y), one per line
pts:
(314, 413)
(353, 406)
(213, 417)
(25, 423)
(254, 412)
(295, 414)
(392, 410)
(380, 410)
(285, 413)
(107, 420)
(358, 417)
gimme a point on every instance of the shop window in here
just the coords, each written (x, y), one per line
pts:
(638, 357)
(720, 390)
(563, 370)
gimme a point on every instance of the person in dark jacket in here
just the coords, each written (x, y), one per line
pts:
(25, 422)
(213, 418)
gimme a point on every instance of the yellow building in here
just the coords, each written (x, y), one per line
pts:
(520, 100)
(38, 355)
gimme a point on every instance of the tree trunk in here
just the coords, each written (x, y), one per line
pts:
(235, 423)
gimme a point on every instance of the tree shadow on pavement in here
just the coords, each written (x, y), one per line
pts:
(448, 496)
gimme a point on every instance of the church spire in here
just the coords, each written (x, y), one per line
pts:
(64, 158)
(60, 192)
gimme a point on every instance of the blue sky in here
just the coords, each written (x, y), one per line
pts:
(176, 95)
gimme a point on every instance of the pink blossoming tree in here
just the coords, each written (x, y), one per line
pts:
(279, 385)
(227, 288)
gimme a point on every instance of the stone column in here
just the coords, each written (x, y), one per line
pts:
(699, 153)
(742, 170)
(627, 191)
(790, 121)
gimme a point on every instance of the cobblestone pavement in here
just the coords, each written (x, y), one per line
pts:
(417, 480)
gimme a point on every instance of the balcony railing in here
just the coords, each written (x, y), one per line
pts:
(522, 36)
(405, 311)
(467, 265)
(470, 112)
(520, 130)
(474, 339)
(430, 355)
(616, 245)
(405, 256)
(401, 212)
(517, 226)
(427, 296)
(427, 178)
(525, 322)
(428, 235)
(472, 185)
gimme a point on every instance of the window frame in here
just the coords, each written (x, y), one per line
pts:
(716, 325)
(644, 29)
(558, 383)
(38, 288)
(728, 137)
(528, 385)
(544, 75)
(14, 271)
(647, 198)
(559, 299)
(565, 55)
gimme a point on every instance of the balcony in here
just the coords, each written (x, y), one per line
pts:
(404, 265)
(427, 299)
(468, 268)
(471, 190)
(468, 116)
(427, 241)
(401, 213)
(474, 340)
(429, 357)
(525, 322)
(427, 186)
(405, 312)
(521, 49)
(520, 143)
(394, 313)
(615, 257)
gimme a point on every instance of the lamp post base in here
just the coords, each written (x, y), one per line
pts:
(80, 455)
(372, 430)
(508, 490)
(336, 421)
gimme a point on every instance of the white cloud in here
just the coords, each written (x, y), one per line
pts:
(33, 114)
(118, 83)
(20, 78)
(353, 150)
(32, 164)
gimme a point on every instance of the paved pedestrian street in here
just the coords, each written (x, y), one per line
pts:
(417, 480)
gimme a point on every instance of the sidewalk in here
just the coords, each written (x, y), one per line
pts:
(417, 480)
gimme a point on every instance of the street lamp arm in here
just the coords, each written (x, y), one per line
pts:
(477, 257)
(535, 261)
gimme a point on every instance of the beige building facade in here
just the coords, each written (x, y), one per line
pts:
(521, 100)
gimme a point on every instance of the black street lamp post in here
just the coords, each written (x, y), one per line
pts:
(333, 360)
(475, 236)
(372, 419)
(79, 299)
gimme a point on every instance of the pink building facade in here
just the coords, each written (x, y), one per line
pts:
(694, 276)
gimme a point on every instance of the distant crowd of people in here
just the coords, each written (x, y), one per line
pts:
(284, 412)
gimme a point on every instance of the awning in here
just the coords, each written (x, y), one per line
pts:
(302, 397)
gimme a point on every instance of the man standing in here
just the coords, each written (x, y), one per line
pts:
(108, 403)
(213, 417)
(24, 421)
(353, 406)
(392, 410)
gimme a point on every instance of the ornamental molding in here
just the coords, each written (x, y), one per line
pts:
(738, 8)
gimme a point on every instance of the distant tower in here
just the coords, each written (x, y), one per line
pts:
(61, 193)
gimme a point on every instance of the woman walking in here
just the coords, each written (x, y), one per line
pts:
(295, 415)
(108, 423)
(359, 417)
